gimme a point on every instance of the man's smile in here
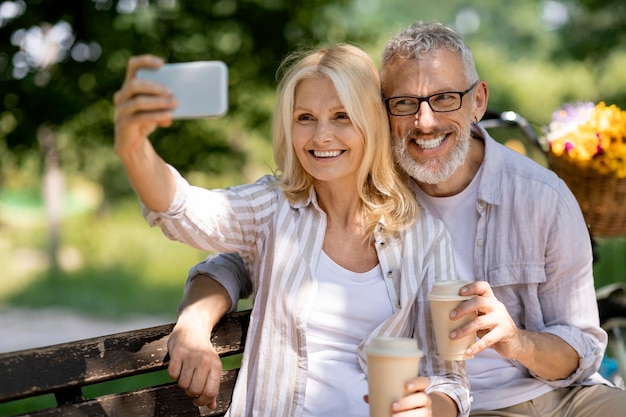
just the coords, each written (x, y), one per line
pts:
(430, 143)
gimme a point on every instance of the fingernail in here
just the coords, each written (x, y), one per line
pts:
(395, 405)
(410, 387)
(464, 289)
(453, 334)
(453, 314)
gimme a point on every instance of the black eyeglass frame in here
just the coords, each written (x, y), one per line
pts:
(426, 99)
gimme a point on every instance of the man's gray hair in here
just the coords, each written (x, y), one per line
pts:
(426, 37)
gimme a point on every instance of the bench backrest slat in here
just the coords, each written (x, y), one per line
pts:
(43, 370)
(163, 400)
(64, 369)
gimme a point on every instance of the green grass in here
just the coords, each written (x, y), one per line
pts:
(610, 265)
(112, 265)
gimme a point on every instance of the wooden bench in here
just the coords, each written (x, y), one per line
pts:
(65, 370)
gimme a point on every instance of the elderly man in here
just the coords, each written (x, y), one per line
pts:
(518, 235)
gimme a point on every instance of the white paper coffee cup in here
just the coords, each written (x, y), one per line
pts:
(444, 298)
(391, 363)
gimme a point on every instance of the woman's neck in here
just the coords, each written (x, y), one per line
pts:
(346, 241)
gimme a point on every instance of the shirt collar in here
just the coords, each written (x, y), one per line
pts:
(310, 200)
(490, 188)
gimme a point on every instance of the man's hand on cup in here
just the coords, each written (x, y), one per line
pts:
(493, 324)
(194, 363)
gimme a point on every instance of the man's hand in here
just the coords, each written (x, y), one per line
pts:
(493, 324)
(545, 354)
(194, 363)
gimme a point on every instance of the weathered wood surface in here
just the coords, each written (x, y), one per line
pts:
(65, 368)
(165, 400)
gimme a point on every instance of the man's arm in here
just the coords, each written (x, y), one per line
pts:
(212, 290)
(194, 363)
(569, 345)
(546, 355)
(227, 269)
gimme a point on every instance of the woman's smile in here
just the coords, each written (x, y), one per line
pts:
(326, 154)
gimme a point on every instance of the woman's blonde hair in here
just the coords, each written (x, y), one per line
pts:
(383, 189)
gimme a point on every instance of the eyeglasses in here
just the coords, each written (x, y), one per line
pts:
(440, 102)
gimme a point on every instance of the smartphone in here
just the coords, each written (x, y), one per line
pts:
(200, 87)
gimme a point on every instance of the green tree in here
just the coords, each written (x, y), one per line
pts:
(60, 63)
(593, 30)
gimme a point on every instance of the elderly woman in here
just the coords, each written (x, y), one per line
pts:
(337, 248)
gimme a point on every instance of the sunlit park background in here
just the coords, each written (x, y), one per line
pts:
(71, 232)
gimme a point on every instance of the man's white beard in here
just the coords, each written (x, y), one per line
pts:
(433, 171)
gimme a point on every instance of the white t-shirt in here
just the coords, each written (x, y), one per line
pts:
(453, 211)
(347, 308)
(487, 369)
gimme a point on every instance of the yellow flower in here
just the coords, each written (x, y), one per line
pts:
(591, 136)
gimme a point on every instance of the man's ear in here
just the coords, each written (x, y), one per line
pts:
(481, 97)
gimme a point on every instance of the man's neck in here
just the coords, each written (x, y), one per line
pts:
(463, 176)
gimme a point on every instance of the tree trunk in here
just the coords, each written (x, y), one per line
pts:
(53, 190)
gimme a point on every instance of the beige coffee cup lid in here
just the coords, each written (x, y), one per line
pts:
(393, 346)
(448, 291)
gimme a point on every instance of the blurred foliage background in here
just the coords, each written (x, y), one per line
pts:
(71, 234)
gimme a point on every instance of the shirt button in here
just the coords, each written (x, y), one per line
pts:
(389, 274)
(479, 242)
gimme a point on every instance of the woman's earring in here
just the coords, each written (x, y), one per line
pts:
(475, 122)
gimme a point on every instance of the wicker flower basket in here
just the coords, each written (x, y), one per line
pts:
(602, 198)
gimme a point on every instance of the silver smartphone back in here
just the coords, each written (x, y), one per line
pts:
(200, 87)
